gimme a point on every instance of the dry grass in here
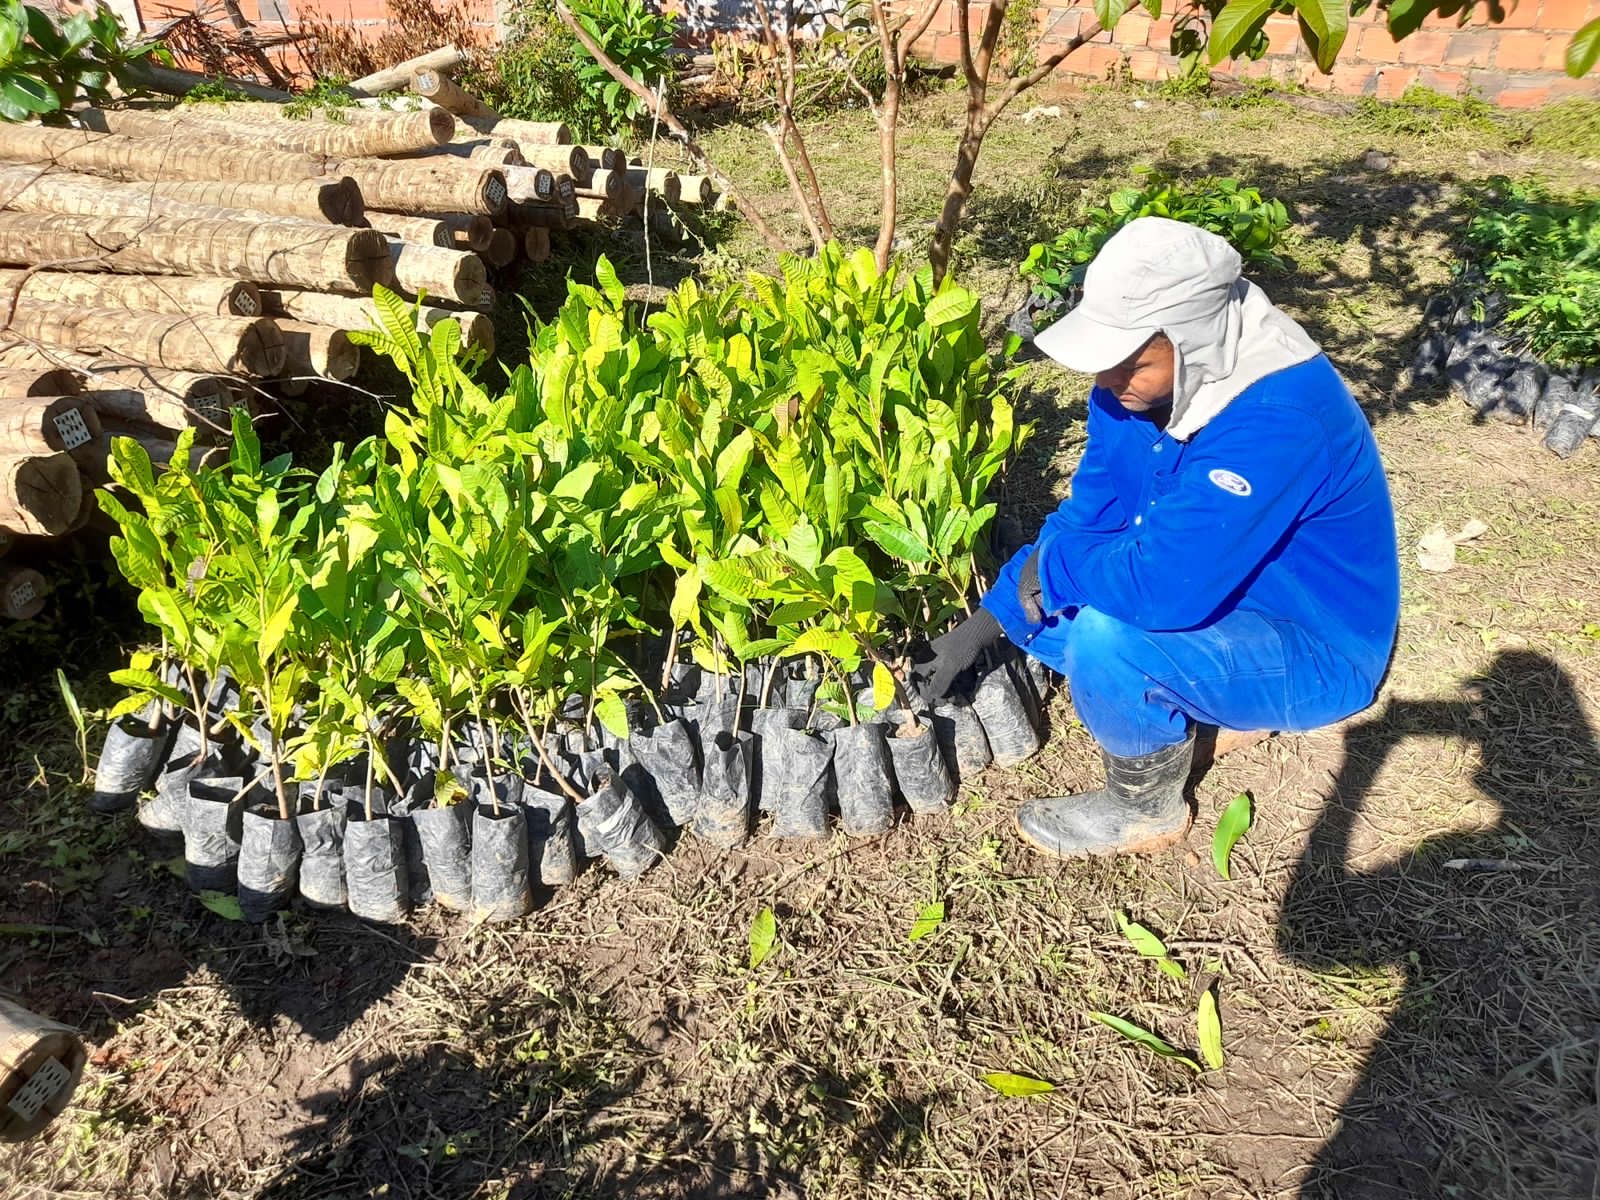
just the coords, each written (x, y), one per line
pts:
(1395, 1026)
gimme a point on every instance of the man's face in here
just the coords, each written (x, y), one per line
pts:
(1142, 382)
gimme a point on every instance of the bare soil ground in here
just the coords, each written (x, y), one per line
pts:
(1407, 957)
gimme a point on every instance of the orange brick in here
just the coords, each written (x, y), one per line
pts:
(1067, 24)
(1424, 46)
(1134, 28)
(1567, 15)
(1147, 65)
(1524, 96)
(1520, 14)
(1393, 82)
(1160, 37)
(1555, 53)
(1470, 50)
(1354, 79)
(1449, 83)
(1375, 45)
(947, 48)
(1283, 35)
(1520, 50)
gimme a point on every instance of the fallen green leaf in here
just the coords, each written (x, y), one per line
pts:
(223, 905)
(1150, 1041)
(763, 937)
(929, 919)
(71, 701)
(1149, 944)
(1235, 820)
(12, 930)
(1210, 1025)
(1008, 1084)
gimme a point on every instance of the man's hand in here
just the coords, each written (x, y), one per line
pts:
(1029, 592)
(949, 656)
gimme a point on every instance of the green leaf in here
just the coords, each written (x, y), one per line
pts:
(1231, 827)
(1008, 1084)
(883, 688)
(1234, 26)
(1210, 1029)
(929, 919)
(1150, 1041)
(1328, 21)
(1109, 12)
(763, 937)
(70, 699)
(899, 541)
(1583, 51)
(1149, 945)
(223, 905)
(956, 303)
(613, 714)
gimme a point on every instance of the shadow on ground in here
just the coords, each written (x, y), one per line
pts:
(1484, 1083)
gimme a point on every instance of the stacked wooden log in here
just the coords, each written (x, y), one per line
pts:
(161, 266)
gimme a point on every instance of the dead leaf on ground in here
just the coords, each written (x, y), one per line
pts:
(1437, 549)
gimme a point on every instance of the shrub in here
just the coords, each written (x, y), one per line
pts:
(44, 68)
(785, 466)
(1542, 253)
(544, 73)
(1253, 225)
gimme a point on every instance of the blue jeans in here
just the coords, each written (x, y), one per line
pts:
(1137, 690)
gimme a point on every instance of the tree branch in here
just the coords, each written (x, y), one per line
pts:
(1023, 82)
(670, 120)
(778, 148)
(910, 33)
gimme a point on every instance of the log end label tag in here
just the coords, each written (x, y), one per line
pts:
(74, 433)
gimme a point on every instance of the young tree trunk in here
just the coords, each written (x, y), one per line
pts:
(470, 231)
(39, 495)
(503, 247)
(696, 189)
(606, 158)
(318, 350)
(332, 257)
(524, 133)
(427, 185)
(229, 345)
(350, 312)
(982, 110)
(188, 157)
(40, 381)
(331, 200)
(531, 183)
(561, 160)
(397, 133)
(139, 293)
(43, 425)
(450, 96)
(42, 189)
(392, 79)
(423, 230)
(161, 408)
(434, 271)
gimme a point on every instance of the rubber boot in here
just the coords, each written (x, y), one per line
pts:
(1140, 809)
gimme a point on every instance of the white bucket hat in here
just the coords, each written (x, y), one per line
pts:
(1153, 274)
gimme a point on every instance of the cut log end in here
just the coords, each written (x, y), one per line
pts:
(22, 593)
(368, 261)
(39, 494)
(502, 251)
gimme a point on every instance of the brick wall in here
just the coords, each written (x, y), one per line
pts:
(1518, 63)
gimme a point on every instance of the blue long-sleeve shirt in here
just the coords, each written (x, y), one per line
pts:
(1278, 506)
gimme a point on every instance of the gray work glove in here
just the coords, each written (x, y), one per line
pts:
(1029, 593)
(948, 657)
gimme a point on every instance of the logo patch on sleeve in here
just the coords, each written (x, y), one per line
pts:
(1230, 481)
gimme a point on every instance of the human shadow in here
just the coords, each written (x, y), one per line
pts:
(544, 1091)
(1484, 1082)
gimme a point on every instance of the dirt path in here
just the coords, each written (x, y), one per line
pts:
(1407, 957)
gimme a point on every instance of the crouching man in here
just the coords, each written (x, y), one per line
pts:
(1227, 553)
